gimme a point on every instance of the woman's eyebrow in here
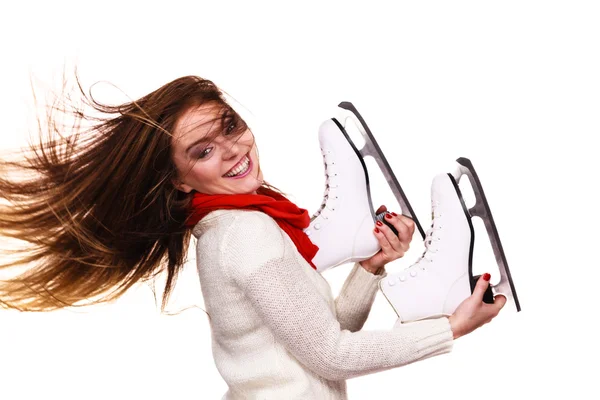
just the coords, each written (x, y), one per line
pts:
(196, 142)
(206, 137)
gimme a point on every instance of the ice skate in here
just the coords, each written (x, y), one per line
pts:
(342, 228)
(442, 278)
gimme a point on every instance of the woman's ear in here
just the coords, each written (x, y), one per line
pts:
(181, 186)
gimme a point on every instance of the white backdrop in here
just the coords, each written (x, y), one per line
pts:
(512, 85)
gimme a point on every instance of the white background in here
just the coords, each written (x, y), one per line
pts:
(512, 85)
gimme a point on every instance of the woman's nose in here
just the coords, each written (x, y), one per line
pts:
(232, 150)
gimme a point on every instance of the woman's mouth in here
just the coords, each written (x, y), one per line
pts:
(241, 169)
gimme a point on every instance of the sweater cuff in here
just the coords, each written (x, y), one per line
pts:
(362, 283)
(439, 340)
(362, 272)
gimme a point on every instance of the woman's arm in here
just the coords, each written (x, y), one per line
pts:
(266, 269)
(356, 297)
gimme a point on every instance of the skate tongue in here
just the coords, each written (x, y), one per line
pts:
(429, 236)
(427, 242)
(330, 182)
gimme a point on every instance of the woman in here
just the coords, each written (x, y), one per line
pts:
(106, 207)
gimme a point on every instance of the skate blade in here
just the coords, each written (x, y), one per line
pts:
(371, 148)
(481, 209)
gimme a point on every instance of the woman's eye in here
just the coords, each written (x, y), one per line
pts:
(230, 128)
(204, 152)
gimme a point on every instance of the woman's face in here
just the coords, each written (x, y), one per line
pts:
(227, 165)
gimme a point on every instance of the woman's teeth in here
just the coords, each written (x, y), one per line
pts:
(240, 169)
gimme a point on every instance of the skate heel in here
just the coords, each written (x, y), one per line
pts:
(481, 209)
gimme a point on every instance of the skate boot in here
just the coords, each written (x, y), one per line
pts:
(342, 228)
(442, 278)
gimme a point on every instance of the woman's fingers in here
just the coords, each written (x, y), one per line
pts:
(481, 286)
(499, 302)
(394, 245)
(410, 223)
(399, 222)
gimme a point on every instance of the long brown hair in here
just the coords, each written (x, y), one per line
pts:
(97, 210)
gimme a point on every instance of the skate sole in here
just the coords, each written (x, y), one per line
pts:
(371, 148)
(482, 210)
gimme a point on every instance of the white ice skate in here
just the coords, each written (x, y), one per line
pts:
(342, 228)
(442, 278)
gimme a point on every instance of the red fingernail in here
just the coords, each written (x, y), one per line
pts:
(388, 216)
(376, 230)
(394, 214)
(379, 223)
(486, 276)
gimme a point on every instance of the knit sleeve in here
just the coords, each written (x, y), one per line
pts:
(354, 302)
(258, 259)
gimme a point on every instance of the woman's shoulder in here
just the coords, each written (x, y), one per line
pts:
(237, 225)
(242, 237)
(227, 220)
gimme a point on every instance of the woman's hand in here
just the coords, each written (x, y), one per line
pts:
(392, 246)
(473, 312)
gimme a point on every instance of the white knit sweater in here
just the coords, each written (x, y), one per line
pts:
(277, 332)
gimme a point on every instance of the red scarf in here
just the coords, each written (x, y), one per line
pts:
(288, 216)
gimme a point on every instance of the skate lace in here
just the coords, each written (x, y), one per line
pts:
(431, 239)
(331, 184)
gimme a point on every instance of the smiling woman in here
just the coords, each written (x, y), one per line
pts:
(103, 208)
